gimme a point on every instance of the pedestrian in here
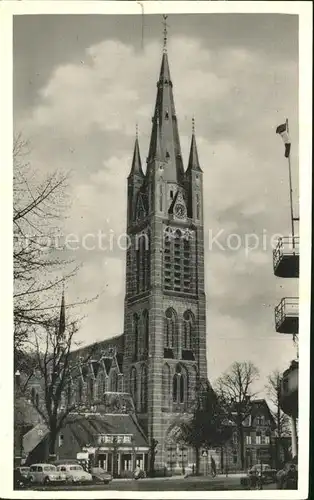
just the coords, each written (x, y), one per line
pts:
(213, 466)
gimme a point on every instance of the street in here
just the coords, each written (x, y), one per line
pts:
(219, 483)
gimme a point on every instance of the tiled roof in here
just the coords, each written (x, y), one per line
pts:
(97, 347)
(33, 437)
(84, 428)
(24, 413)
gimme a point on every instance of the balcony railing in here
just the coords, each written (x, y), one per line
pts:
(287, 315)
(289, 390)
(286, 257)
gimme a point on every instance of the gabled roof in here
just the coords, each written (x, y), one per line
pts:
(84, 428)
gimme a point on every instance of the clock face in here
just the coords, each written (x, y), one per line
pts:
(180, 210)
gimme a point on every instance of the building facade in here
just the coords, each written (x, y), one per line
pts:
(165, 304)
(161, 356)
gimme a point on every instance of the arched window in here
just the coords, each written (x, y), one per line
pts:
(33, 394)
(188, 331)
(179, 385)
(145, 333)
(144, 388)
(198, 206)
(136, 335)
(133, 385)
(165, 387)
(114, 382)
(160, 197)
(100, 386)
(170, 333)
(146, 263)
(91, 386)
(80, 390)
(37, 399)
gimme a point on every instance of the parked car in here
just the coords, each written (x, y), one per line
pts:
(75, 473)
(20, 478)
(24, 471)
(99, 475)
(258, 475)
(45, 474)
(287, 478)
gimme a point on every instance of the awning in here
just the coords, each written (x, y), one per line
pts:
(33, 437)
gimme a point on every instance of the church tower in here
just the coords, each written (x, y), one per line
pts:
(165, 303)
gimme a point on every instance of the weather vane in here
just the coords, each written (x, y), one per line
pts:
(193, 125)
(165, 32)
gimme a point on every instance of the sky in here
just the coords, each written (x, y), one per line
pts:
(81, 83)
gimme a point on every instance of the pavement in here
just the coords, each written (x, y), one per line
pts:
(174, 483)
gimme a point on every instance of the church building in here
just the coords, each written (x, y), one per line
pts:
(161, 356)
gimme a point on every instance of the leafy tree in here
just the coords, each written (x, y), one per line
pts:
(234, 389)
(209, 426)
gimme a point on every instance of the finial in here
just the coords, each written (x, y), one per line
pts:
(165, 33)
(193, 125)
(136, 130)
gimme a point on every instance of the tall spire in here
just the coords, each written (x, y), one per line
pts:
(136, 168)
(165, 33)
(193, 158)
(168, 127)
(62, 316)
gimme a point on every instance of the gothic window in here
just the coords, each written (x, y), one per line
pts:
(133, 385)
(177, 260)
(91, 389)
(170, 333)
(165, 387)
(188, 341)
(179, 385)
(37, 399)
(144, 388)
(198, 206)
(135, 336)
(114, 382)
(160, 198)
(80, 390)
(145, 333)
(142, 262)
(100, 386)
(33, 394)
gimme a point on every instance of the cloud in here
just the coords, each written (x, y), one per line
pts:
(84, 119)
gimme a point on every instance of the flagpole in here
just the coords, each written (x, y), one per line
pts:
(291, 192)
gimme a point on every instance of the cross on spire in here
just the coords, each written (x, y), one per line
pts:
(165, 32)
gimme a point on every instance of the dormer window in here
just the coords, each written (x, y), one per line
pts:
(167, 154)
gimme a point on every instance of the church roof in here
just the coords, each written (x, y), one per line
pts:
(136, 168)
(193, 158)
(96, 350)
(165, 132)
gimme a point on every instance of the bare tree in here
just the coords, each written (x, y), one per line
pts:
(58, 370)
(282, 421)
(234, 389)
(40, 260)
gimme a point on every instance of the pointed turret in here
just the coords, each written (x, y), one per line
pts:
(136, 168)
(193, 158)
(168, 132)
